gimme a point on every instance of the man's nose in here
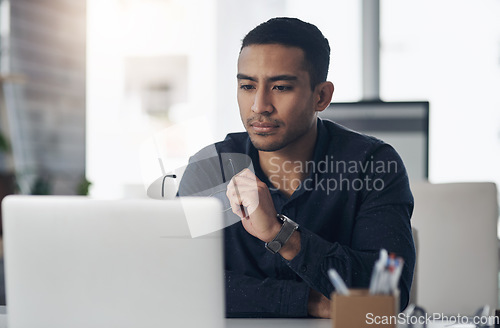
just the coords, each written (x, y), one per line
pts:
(262, 102)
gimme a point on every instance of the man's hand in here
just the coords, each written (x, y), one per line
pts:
(318, 305)
(259, 215)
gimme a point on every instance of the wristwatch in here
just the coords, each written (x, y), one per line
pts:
(283, 235)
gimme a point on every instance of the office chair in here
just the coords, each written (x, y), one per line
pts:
(457, 261)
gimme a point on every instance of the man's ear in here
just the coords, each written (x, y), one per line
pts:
(323, 95)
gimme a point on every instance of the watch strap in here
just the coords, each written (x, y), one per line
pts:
(283, 235)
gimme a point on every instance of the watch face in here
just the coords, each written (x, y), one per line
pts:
(274, 246)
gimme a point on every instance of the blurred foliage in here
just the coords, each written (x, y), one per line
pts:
(4, 144)
(83, 187)
(41, 186)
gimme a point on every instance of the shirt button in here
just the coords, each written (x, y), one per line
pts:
(303, 268)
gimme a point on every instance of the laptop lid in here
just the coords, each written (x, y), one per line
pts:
(79, 262)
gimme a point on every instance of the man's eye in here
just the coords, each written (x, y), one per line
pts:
(246, 87)
(282, 88)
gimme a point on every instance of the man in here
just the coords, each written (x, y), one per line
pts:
(340, 196)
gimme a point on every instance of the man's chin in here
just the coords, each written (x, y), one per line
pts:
(266, 145)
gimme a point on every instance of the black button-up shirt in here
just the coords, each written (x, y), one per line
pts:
(355, 201)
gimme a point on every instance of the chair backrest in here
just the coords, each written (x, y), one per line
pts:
(458, 256)
(413, 291)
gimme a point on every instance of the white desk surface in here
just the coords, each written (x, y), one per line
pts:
(271, 323)
(241, 323)
(278, 323)
(313, 323)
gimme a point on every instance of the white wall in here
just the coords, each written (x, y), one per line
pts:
(448, 52)
(117, 126)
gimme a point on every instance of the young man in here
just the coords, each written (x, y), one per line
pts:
(316, 196)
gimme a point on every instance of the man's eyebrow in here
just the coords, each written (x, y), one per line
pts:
(283, 77)
(245, 77)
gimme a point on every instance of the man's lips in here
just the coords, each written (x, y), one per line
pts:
(263, 127)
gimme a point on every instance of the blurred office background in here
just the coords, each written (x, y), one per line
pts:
(42, 103)
(164, 64)
(97, 90)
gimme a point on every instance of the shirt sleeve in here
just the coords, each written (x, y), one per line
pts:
(382, 221)
(248, 297)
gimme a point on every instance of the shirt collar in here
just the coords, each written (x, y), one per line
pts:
(320, 149)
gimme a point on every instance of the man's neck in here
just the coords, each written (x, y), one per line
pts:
(287, 167)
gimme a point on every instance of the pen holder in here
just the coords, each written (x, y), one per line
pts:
(360, 309)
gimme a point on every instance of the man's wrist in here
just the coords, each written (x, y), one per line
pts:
(292, 247)
(287, 240)
(274, 231)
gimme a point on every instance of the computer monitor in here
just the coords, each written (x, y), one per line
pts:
(403, 124)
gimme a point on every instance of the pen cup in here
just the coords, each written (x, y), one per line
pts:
(360, 309)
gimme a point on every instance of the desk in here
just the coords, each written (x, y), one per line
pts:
(270, 323)
(312, 323)
(243, 323)
(3, 317)
(278, 323)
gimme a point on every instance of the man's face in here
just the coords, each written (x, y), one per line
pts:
(274, 95)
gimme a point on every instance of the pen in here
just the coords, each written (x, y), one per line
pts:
(378, 272)
(337, 282)
(242, 208)
(397, 273)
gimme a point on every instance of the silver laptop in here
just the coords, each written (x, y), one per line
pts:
(78, 262)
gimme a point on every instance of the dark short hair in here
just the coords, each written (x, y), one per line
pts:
(295, 33)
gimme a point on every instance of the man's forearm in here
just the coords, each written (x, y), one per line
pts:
(253, 297)
(318, 305)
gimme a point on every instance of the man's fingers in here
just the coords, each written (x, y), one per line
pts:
(245, 199)
(239, 209)
(243, 190)
(245, 180)
(247, 173)
(244, 195)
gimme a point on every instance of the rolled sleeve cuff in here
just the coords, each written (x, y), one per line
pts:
(309, 262)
